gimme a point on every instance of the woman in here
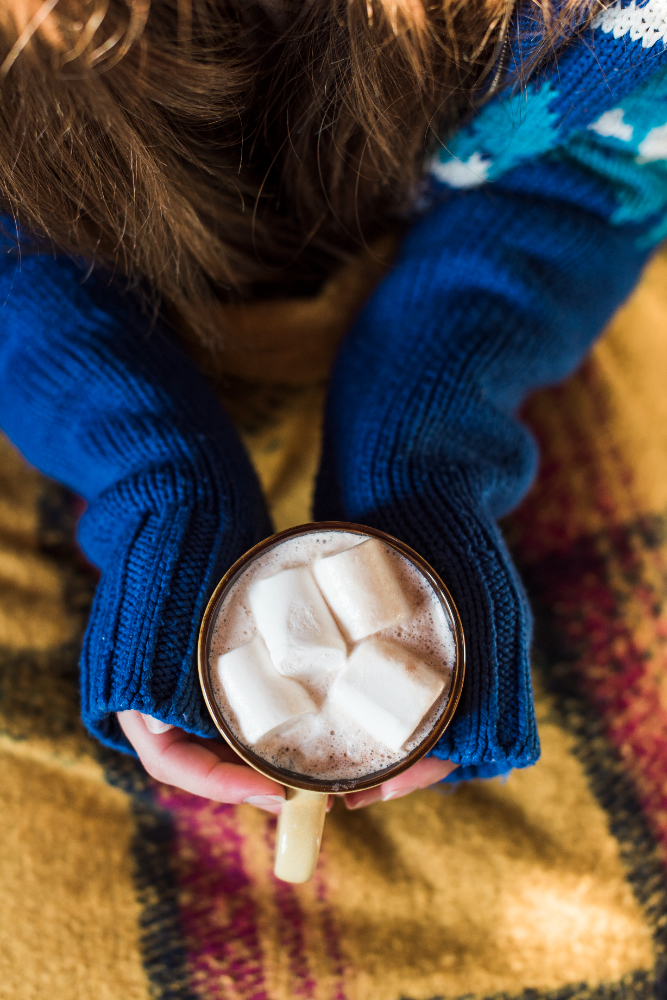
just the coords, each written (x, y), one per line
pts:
(162, 164)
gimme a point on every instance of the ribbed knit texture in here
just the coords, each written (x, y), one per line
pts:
(499, 289)
(121, 416)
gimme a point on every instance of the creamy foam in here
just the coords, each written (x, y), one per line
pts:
(323, 745)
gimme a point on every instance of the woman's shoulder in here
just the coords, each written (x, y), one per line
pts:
(613, 71)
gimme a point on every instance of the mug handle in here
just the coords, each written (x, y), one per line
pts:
(299, 834)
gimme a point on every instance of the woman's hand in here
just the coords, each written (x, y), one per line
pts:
(212, 770)
(203, 767)
(425, 772)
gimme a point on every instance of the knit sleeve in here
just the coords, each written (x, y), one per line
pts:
(115, 411)
(497, 291)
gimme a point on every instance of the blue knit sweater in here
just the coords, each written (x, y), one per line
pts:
(542, 212)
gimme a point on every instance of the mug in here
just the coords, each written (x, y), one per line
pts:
(301, 820)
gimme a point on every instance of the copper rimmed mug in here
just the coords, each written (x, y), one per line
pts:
(302, 817)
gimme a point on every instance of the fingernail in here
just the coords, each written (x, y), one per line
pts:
(264, 801)
(356, 804)
(154, 725)
(397, 793)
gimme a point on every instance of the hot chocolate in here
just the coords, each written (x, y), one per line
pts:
(332, 655)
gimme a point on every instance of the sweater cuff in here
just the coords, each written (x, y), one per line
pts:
(163, 543)
(494, 724)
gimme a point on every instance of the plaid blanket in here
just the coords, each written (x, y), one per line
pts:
(551, 885)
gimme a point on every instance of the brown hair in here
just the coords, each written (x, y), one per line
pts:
(202, 150)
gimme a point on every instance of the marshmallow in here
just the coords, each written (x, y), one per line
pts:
(295, 623)
(259, 696)
(386, 690)
(361, 589)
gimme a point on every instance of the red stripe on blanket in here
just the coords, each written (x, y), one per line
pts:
(216, 904)
(248, 936)
(601, 594)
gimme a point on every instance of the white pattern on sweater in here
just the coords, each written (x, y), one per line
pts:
(648, 21)
(612, 124)
(470, 173)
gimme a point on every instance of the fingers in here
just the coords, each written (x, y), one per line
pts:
(214, 771)
(202, 767)
(425, 772)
